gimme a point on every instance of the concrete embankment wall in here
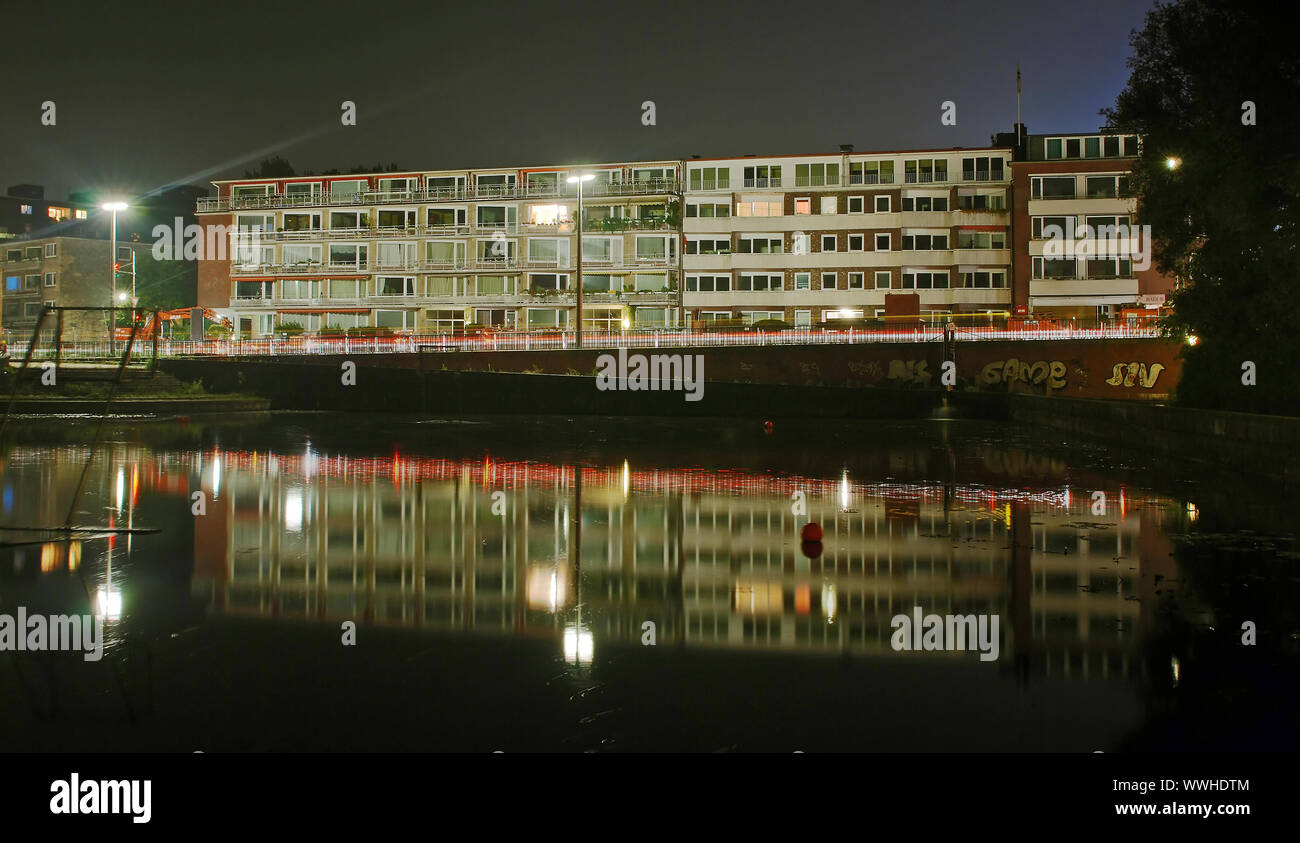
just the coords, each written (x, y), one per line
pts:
(1252, 445)
(314, 384)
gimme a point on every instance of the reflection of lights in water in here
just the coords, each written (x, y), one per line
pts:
(108, 603)
(293, 510)
(309, 460)
(627, 479)
(74, 555)
(1176, 668)
(845, 497)
(547, 586)
(579, 646)
(828, 601)
(1067, 497)
(121, 487)
(216, 477)
(49, 557)
(1192, 511)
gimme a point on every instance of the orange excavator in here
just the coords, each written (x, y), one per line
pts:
(181, 314)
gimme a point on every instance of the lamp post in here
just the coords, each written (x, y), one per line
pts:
(113, 207)
(578, 180)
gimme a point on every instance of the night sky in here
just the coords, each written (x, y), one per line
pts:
(154, 93)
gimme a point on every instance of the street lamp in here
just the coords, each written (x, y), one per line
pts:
(113, 207)
(578, 180)
(1173, 163)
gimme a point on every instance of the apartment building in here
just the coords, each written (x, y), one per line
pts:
(431, 251)
(62, 272)
(809, 239)
(1076, 187)
(24, 210)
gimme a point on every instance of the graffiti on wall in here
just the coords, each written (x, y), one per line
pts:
(1135, 374)
(910, 371)
(1010, 371)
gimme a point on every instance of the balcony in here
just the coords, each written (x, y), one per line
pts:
(490, 265)
(870, 178)
(648, 187)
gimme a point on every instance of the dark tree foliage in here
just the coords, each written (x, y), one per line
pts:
(271, 168)
(1226, 219)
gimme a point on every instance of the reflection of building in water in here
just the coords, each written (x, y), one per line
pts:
(713, 558)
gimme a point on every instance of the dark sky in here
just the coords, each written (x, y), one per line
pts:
(150, 93)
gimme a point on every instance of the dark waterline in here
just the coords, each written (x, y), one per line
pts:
(478, 630)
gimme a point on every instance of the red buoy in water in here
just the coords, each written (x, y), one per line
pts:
(811, 532)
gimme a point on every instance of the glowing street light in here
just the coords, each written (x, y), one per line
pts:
(578, 180)
(1173, 163)
(113, 208)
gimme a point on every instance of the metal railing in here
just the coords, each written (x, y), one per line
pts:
(645, 187)
(696, 336)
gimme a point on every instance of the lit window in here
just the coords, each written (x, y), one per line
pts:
(803, 206)
(57, 213)
(79, 214)
(25, 209)
(547, 214)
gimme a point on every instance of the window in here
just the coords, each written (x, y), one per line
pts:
(1052, 187)
(710, 178)
(1046, 228)
(985, 279)
(708, 283)
(882, 243)
(301, 222)
(445, 252)
(254, 222)
(803, 206)
(1108, 227)
(547, 318)
(444, 320)
(651, 174)
(803, 280)
(394, 286)
(299, 289)
(800, 243)
(349, 220)
(548, 214)
(759, 208)
(707, 209)
(32, 282)
(816, 175)
(1055, 148)
(708, 246)
(1106, 187)
(655, 248)
(348, 254)
(828, 280)
(14, 255)
(302, 191)
(924, 242)
(446, 218)
(26, 210)
(857, 242)
(548, 282)
(758, 283)
(395, 254)
(32, 253)
(882, 204)
(871, 172)
(883, 279)
(857, 280)
(345, 288)
(400, 319)
(601, 283)
(13, 283)
(494, 285)
(982, 202)
(57, 213)
(828, 205)
(398, 219)
(348, 191)
(1110, 268)
(759, 244)
(924, 280)
(763, 176)
(856, 204)
(983, 168)
(752, 316)
(494, 185)
(802, 318)
(495, 250)
(925, 203)
(51, 250)
(440, 286)
(543, 184)
(32, 308)
(981, 240)
(253, 289)
(445, 186)
(924, 170)
(548, 251)
(497, 216)
(1055, 268)
(828, 242)
(51, 278)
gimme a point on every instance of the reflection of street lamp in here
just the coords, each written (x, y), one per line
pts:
(113, 207)
(578, 180)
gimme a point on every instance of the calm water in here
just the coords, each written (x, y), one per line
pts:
(505, 578)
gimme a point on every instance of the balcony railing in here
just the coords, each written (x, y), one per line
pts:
(484, 264)
(646, 187)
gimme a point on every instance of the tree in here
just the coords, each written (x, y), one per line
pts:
(165, 285)
(1214, 92)
(271, 168)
